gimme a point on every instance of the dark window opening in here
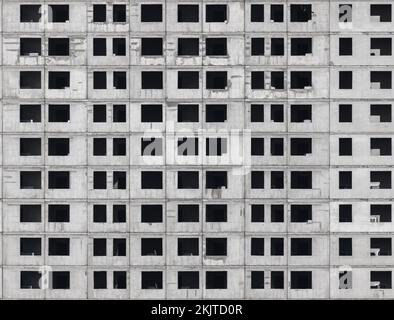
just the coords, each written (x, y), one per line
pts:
(256, 113)
(277, 213)
(216, 80)
(257, 46)
(30, 246)
(119, 180)
(300, 146)
(277, 80)
(345, 247)
(216, 113)
(301, 180)
(301, 213)
(58, 146)
(30, 79)
(119, 13)
(216, 179)
(59, 46)
(345, 46)
(30, 113)
(119, 213)
(188, 113)
(257, 213)
(99, 180)
(58, 79)
(345, 213)
(257, 78)
(216, 46)
(119, 46)
(188, 280)
(216, 246)
(381, 46)
(151, 280)
(188, 46)
(99, 146)
(152, 46)
(216, 280)
(59, 246)
(99, 113)
(276, 12)
(119, 146)
(119, 247)
(257, 179)
(301, 246)
(345, 113)
(30, 213)
(345, 180)
(277, 113)
(119, 280)
(151, 213)
(30, 180)
(300, 12)
(99, 46)
(380, 279)
(30, 280)
(58, 180)
(120, 80)
(383, 11)
(119, 113)
(58, 13)
(301, 46)
(100, 280)
(99, 247)
(188, 13)
(380, 79)
(382, 146)
(99, 213)
(151, 113)
(380, 179)
(276, 146)
(30, 147)
(277, 246)
(151, 13)
(277, 180)
(380, 212)
(277, 47)
(345, 146)
(257, 279)
(30, 13)
(301, 113)
(99, 13)
(277, 279)
(151, 247)
(188, 79)
(216, 13)
(30, 47)
(257, 246)
(59, 113)
(58, 213)
(188, 213)
(300, 79)
(151, 80)
(188, 247)
(380, 246)
(216, 213)
(301, 280)
(382, 111)
(256, 13)
(257, 146)
(188, 180)
(151, 180)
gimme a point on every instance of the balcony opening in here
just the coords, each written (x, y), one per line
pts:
(277, 247)
(151, 13)
(301, 180)
(119, 248)
(301, 79)
(301, 46)
(277, 80)
(99, 13)
(99, 47)
(59, 213)
(188, 280)
(277, 180)
(345, 246)
(151, 180)
(58, 180)
(152, 46)
(30, 280)
(256, 13)
(99, 280)
(151, 113)
(257, 46)
(345, 146)
(300, 146)
(380, 280)
(30, 146)
(380, 146)
(188, 79)
(188, 180)
(30, 79)
(30, 213)
(382, 12)
(188, 46)
(301, 113)
(215, 112)
(216, 213)
(119, 80)
(59, 246)
(277, 114)
(99, 247)
(380, 79)
(151, 80)
(30, 113)
(119, 280)
(30, 13)
(59, 113)
(30, 246)
(276, 145)
(151, 213)
(380, 246)
(301, 246)
(277, 213)
(257, 179)
(381, 46)
(380, 179)
(301, 213)
(216, 280)
(187, 113)
(188, 213)
(216, 13)
(188, 246)
(99, 213)
(59, 46)
(257, 279)
(119, 13)
(380, 212)
(30, 180)
(216, 246)
(119, 213)
(257, 213)
(58, 146)
(381, 112)
(277, 47)
(276, 12)
(119, 146)
(256, 113)
(58, 79)
(216, 46)
(58, 13)
(300, 12)
(151, 280)
(119, 46)
(216, 80)
(301, 280)
(188, 13)
(119, 180)
(257, 246)
(151, 247)
(257, 80)
(345, 46)
(30, 47)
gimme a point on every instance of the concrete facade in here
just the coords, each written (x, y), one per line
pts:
(229, 149)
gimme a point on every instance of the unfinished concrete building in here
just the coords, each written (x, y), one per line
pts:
(186, 149)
